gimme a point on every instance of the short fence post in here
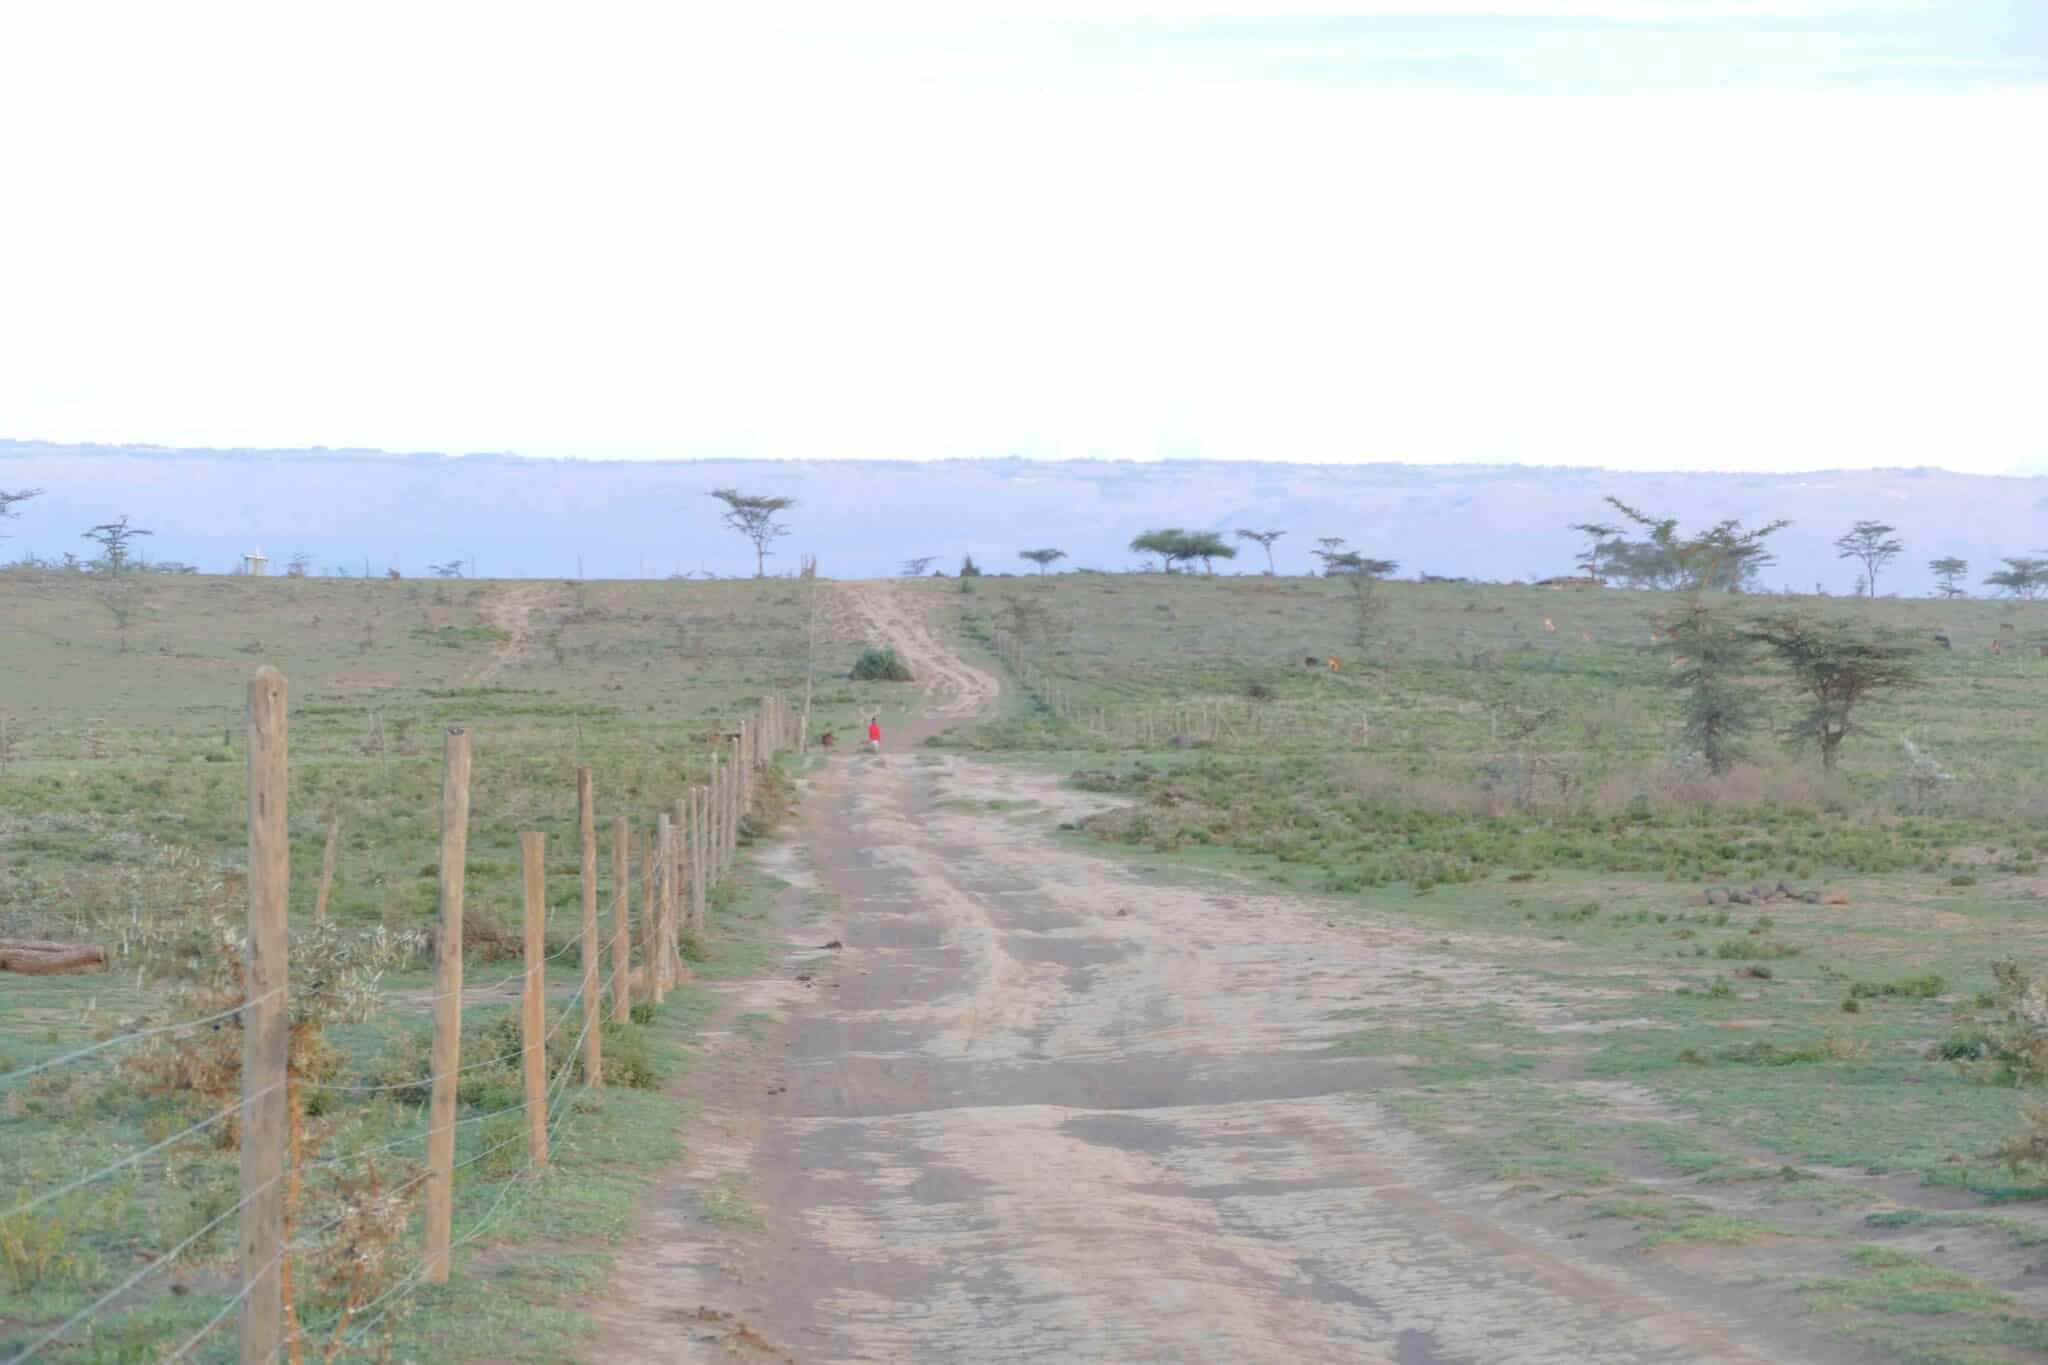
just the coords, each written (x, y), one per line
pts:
(622, 937)
(649, 990)
(533, 1006)
(739, 806)
(447, 1047)
(657, 932)
(698, 825)
(593, 955)
(266, 1026)
(327, 871)
(715, 839)
(687, 854)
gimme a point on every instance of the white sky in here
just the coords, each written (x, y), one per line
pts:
(1366, 231)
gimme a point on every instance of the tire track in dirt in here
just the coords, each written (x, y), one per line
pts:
(1045, 1106)
(957, 689)
(510, 609)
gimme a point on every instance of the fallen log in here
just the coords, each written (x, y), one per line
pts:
(54, 959)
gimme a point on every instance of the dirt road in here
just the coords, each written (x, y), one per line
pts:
(1044, 1106)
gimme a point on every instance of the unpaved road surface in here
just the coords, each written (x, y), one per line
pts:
(1043, 1106)
(509, 608)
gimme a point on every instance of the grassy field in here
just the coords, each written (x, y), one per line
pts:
(1817, 1086)
(1496, 766)
(122, 821)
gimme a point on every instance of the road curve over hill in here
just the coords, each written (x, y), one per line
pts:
(1045, 1106)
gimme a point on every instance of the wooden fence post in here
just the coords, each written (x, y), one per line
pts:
(739, 807)
(266, 1026)
(716, 835)
(593, 955)
(687, 854)
(327, 871)
(700, 823)
(622, 937)
(657, 957)
(533, 1014)
(447, 1047)
(649, 989)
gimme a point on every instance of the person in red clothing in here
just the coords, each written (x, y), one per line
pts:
(875, 733)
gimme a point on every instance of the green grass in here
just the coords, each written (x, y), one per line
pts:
(121, 796)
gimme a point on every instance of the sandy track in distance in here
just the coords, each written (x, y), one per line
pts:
(511, 610)
(958, 690)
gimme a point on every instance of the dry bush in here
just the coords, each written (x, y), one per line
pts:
(1669, 788)
(2014, 1040)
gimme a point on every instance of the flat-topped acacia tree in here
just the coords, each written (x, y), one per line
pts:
(753, 516)
(1044, 559)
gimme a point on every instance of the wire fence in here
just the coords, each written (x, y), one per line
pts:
(301, 1185)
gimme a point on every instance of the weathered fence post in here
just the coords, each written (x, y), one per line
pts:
(447, 1048)
(687, 854)
(657, 974)
(266, 1026)
(648, 919)
(593, 955)
(533, 1013)
(622, 937)
(327, 870)
(715, 835)
(739, 806)
(699, 825)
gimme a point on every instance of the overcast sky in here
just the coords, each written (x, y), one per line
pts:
(1699, 234)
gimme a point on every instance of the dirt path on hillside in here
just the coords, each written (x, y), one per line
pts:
(510, 609)
(1044, 1106)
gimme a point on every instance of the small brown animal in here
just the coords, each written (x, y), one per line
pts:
(1311, 661)
(1336, 667)
(827, 740)
(1549, 624)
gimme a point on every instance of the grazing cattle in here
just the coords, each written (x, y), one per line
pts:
(827, 740)
(1311, 661)
(1549, 624)
(1998, 646)
(1943, 641)
(2005, 625)
(1336, 667)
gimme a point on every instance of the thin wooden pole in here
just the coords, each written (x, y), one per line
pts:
(533, 1005)
(622, 937)
(687, 854)
(649, 990)
(657, 957)
(447, 1048)
(737, 796)
(716, 841)
(593, 955)
(266, 1026)
(700, 823)
(327, 871)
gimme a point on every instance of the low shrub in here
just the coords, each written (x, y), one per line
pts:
(879, 665)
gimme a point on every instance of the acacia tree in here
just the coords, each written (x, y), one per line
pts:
(2024, 576)
(1872, 543)
(753, 516)
(1948, 573)
(1715, 705)
(1265, 540)
(1042, 558)
(915, 568)
(116, 539)
(1600, 538)
(1835, 666)
(1168, 542)
(9, 500)
(451, 569)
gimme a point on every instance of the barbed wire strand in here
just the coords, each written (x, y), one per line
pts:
(161, 1263)
(130, 1037)
(128, 1161)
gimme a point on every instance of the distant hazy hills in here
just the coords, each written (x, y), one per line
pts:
(519, 517)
